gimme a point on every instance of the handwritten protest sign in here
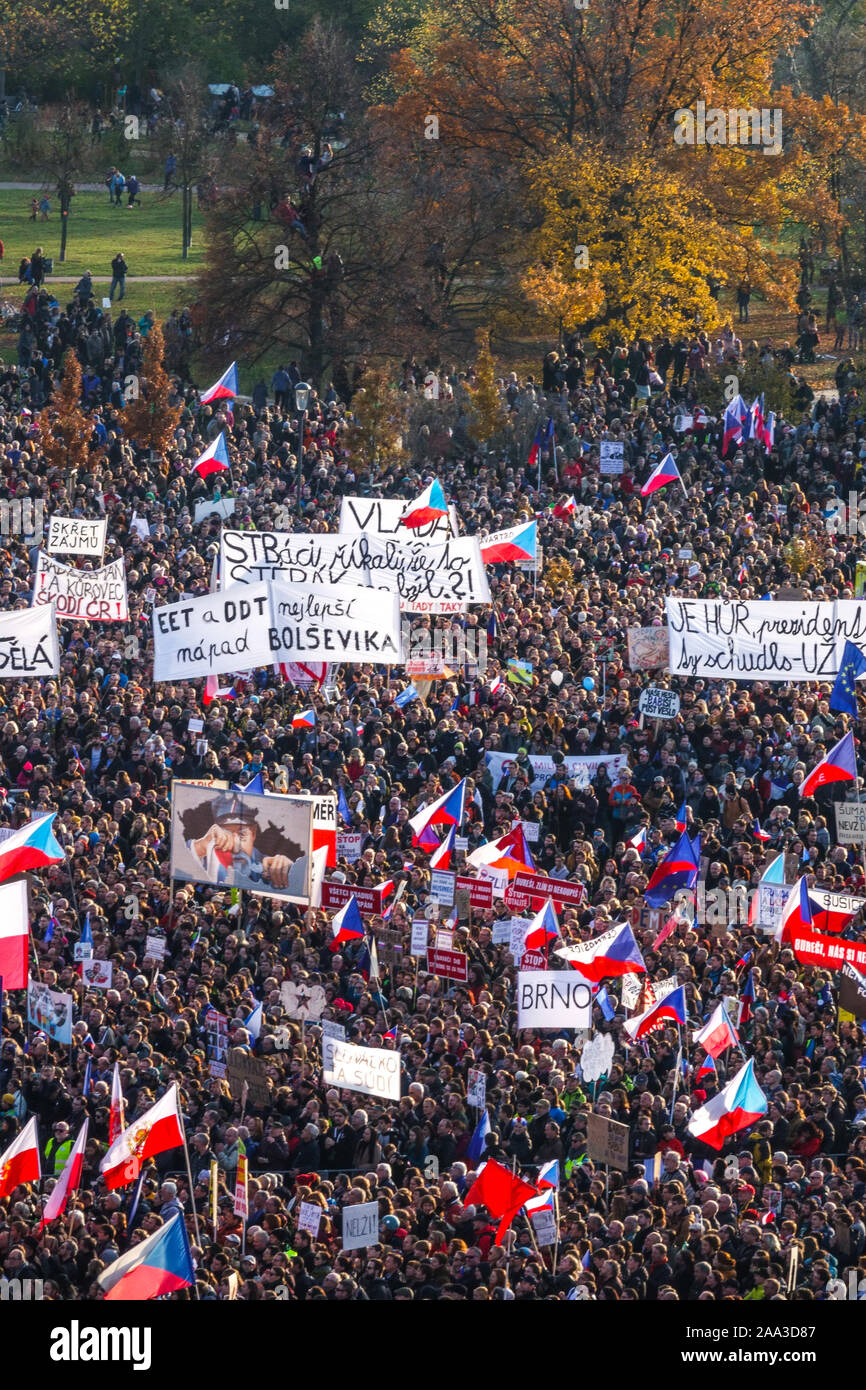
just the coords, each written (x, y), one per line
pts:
(381, 517)
(97, 595)
(28, 643)
(335, 623)
(767, 640)
(657, 703)
(208, 636)
(374, 1071)
(71, 535)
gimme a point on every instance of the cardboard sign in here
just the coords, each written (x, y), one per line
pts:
(607, 1142)
(216, 1031)
(82, 950)
(449, 965)
(96, 974)
(531, 830)
(517, 929)
(360, 1225)
(50, 1011)
(241, 1067)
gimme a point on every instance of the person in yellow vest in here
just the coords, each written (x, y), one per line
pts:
(58, 1148)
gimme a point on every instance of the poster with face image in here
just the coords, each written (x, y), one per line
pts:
(258, 843)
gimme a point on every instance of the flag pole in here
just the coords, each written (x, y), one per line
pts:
(191, 1185)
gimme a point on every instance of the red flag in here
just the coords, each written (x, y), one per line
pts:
(501, 1193)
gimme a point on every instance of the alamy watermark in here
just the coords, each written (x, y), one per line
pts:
(717, 125)
(22, 518)
(453, 647)
(21, 1290)
(850, 520)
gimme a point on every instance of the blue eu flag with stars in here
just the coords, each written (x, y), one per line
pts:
(843, 696)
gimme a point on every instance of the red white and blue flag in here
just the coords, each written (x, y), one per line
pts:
(516, 544)
(305, 720)
(840, 765)
(441, 856)
(682, 817)
(760, 834)
(347, 924)
(638, 840)
(157, 1266)
(734, 421)
(739, 1105)
(447, 809)
(678, 869)
(215, 458)
(718, 1034)
(707, 1068)
(797, 912)
(614, 953)
(543, 928)
(31, 847)
(224, 389)
(664, 473)
(671, 1009)
(428, 507)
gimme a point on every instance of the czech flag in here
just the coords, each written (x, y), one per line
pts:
(548, 1175)
(157, 1266)
(158, 1129)
(682, 818)
(518, 543)
(770, 430)
(535, 451)
(739, 1105)
(347, 925)
(797, 912)
(475, 1147)
(614, 953)
(747, 999)
(543, 929)
(760, 834)
(215, 458)
(835, 909)
(305, 720)
(426, 508)
(441, 857)
(707, 1068)
(20, 1162)
(756, 419)
(224, 389)
(31, 847)
(718, 1033)
(448, 809)
(734, 420)
(69, 1180)
(663, 473)
(671, 1009)
(840, 765)
(678, 869)
(638, 840)
(214, 691)
(566, 508)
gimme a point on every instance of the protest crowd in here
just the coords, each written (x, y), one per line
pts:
(776, 1211)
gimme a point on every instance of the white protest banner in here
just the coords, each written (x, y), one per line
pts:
(330, 622)
(441, 578)
(771, 900)
(360, 1225)
(476, 1088)
(611, 456)
(768, 640)
(72, 535)
(97, 595)
(501, 933)
(96, 974)
(374, 1071)
(310, 1218)
(213, 635)
(349, 847)
(544, 1226)
(553, 999)
(381, 517)
(50, 1011)
(543, 767)
(850, 822)
(420, 937)
(657, 703)
(28, 643)
(223, 507)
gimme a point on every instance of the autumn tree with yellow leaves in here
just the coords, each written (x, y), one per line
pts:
(486, 416)
(64, 429)
(149, 418)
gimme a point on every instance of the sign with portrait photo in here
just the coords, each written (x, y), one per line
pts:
(238, 840)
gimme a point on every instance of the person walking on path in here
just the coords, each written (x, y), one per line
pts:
(118, 276)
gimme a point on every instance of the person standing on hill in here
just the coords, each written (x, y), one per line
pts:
(118, 275)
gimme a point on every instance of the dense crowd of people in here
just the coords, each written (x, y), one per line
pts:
(102, 744)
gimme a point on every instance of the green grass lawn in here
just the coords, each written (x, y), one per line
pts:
(149, 236)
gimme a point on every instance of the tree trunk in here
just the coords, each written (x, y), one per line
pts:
(185, 245)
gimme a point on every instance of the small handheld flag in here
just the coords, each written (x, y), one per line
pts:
(224, 389)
